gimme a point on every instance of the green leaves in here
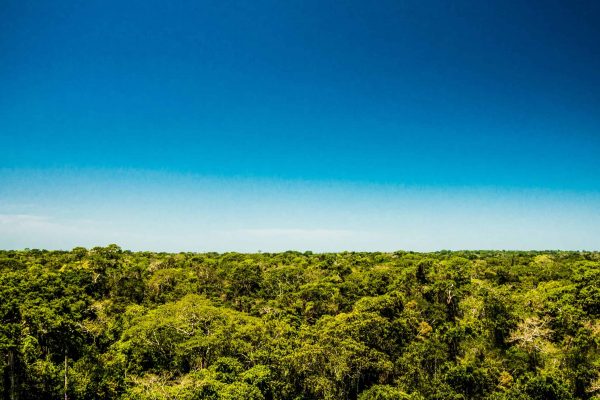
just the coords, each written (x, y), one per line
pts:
(447, 325)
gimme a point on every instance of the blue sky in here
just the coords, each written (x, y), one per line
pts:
(269, 125)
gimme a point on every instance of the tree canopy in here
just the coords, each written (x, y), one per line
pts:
(105, 323)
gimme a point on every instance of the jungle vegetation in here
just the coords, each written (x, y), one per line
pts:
(105, 323)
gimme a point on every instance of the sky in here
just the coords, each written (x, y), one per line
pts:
(306, 125)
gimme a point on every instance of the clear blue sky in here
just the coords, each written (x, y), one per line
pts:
(294, 124)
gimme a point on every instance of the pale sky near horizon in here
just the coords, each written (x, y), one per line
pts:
(306, 125)
(165, 212)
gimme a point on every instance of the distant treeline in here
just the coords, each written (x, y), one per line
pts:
(112, 324)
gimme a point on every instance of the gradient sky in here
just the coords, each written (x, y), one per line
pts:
(273, 125)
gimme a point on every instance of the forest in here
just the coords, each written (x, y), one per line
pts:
(106, 323)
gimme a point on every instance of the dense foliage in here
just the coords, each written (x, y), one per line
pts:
(445, 325)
